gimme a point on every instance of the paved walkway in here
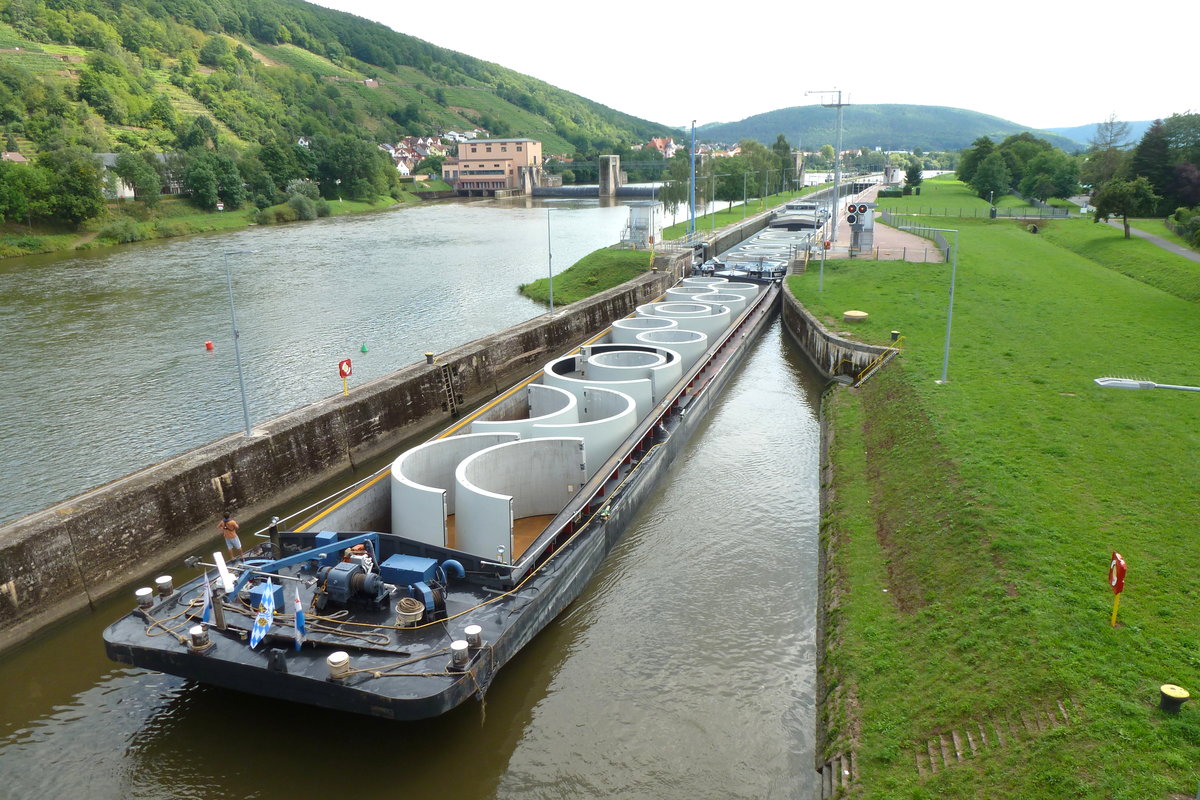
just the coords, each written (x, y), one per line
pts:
(890, 244)
(1170, 247)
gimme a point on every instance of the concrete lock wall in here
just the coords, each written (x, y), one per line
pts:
(829, 353)
(62, 559)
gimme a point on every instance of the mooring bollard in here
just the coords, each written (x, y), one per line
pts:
(429, 358)
(1172, 697)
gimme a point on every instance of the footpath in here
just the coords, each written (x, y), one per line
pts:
(1171, 247)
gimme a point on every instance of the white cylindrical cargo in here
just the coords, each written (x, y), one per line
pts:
(691, 316)
(703, 281)
(690, 345)
(735, 302)
(747, 290)
(625, 331)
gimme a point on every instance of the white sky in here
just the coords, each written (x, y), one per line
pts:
(1041, 64)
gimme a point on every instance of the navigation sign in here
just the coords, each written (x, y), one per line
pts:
(344, 368)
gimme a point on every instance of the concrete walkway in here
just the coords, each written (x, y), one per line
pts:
(890, 244)
(1170, 247)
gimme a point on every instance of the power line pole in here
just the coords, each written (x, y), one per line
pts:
(837, 158)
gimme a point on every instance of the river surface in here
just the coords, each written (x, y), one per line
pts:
(104, 350)
(685, 670)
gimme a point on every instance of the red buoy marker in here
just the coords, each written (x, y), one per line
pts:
(208, 345)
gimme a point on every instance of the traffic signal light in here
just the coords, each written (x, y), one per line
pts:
(852, 214)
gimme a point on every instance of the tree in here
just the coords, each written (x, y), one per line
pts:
(1152, 158)
(973, 156)
(912, 175)
(783, 151)
(139, 173)
(1124, 198)
(1050, 174)
(1108, 155)
(74, 186)
(992, 177)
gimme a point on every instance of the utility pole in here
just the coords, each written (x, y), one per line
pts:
(837, 159)
(692, 184)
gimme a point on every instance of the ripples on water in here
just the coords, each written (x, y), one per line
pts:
(684, 671)
(105, 348)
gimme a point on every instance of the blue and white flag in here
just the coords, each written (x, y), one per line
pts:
(301, 630)
(266, 613)
(206, 609)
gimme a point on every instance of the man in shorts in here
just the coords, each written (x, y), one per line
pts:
(229, 529)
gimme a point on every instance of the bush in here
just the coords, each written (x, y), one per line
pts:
(121, 231)
(322, 207)
(303, 206)
(303, 187)
(890, 193)
(166, 228)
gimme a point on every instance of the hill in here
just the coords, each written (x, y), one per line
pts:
(131, 72)
(1085, 133)
(886, 126)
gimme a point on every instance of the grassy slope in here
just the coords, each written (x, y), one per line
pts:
(595, 272)
(977, 519)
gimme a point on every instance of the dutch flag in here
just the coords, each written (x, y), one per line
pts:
(301, 631)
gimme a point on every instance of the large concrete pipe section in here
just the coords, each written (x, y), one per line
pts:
(606, 419)
(690, 345)
(510, 481)
(699, 280)
(747, 290)
(538, 404)
(685, 293)
(567, 373)
(663, 368)
(691, 316)
(736, 303)
(625, 331)
(423, 485)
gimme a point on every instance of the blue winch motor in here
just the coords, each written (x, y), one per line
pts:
(347, 581)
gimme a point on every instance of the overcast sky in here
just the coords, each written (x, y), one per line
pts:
(1040, 64)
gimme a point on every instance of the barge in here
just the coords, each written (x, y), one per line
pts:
(404, 595)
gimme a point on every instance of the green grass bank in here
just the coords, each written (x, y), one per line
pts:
(597, 271)
(971, 523)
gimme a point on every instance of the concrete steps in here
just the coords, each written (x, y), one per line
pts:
(977, 738)
(838, 775)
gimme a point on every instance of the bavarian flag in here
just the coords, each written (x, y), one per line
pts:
(206, 610)
(265, 613)
(301, 630)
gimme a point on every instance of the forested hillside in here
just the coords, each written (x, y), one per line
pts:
(216, 97)
(886, 126)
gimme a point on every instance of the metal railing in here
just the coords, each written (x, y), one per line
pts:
(1016, 212)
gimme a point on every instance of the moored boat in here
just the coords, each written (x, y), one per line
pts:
(404, 595)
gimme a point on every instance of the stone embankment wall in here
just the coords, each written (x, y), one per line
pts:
(66, 557)
(833, 355)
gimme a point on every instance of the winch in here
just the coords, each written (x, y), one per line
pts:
(348, 582)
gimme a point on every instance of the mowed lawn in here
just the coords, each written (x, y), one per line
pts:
(974, 521)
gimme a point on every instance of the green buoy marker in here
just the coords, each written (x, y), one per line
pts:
(364, 347)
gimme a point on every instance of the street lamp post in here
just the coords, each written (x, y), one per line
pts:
(237, 351)
(950, 308)
(692, 183)
(550, 260)
(1130, 383)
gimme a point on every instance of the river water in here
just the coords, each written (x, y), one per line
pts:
(685, 670)
(104, 350)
